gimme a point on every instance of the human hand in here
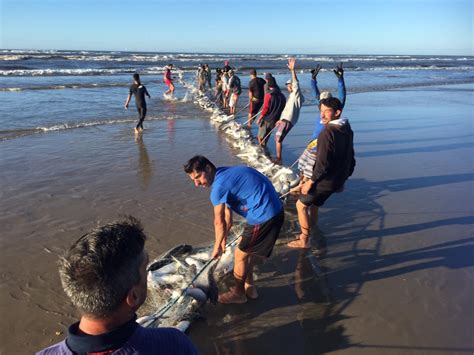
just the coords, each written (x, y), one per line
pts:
(291, 64)
(305, 187)
(315, 71)
(217, 251)
(126, 107)
(259, 120)
(339, 71)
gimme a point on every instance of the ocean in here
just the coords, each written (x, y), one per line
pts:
(51, 90)
(398, 275)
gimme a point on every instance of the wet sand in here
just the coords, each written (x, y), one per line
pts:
(398, 274)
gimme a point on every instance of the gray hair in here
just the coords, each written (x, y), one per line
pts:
(102, 266)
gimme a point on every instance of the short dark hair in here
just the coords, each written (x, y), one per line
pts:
(271, 82)
(170, 65)
(253, 72)
(332, 102)
(136, 77)
(198, 163)
(102, 266)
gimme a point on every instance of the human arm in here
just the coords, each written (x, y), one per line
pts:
(147, 94)
(323, 158)
(291, 67)
(220, 230)
(314, 82)
(341, 86)
(127, 101)
(266, 106)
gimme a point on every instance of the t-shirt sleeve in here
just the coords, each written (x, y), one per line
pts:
(130, 91)
(218, 196)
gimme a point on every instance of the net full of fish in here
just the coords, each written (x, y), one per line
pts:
(184, 279)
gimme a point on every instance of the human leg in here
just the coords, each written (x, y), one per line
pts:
(304, 221)
(241, 268)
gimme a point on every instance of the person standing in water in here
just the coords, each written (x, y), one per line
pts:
(139, 91)
(168, 79)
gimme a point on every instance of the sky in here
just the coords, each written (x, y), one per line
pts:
(417, 27)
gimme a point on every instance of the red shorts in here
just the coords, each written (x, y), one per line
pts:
(168, 82)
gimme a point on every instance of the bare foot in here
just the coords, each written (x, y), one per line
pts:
(136, 130)
(301, 242)
(251, 292)
(232, 297)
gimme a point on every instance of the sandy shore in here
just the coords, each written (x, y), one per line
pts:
(398, 275)
(399, 272)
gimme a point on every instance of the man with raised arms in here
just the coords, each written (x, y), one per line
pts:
(291, 112)
(250, 194)
(104, 275)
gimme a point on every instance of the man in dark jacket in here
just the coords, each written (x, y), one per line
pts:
(273, 105)
(334, 164)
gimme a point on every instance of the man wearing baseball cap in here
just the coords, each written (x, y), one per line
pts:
(291, 112)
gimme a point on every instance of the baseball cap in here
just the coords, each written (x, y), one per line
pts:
(325, 95)
(288, 82)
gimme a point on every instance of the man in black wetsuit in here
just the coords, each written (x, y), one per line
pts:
(139, 90)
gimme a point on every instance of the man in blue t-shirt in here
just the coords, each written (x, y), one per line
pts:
(247, 192)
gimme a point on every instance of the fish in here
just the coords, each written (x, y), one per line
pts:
(180, 288)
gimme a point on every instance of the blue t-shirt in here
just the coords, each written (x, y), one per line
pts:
(247, 193)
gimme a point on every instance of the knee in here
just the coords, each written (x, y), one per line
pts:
(301, 207)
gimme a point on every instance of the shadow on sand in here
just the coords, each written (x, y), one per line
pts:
(303, 297)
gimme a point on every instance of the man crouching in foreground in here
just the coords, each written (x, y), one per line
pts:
(250, 194)
(104, 275)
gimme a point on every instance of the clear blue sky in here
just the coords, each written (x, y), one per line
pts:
(293, 27)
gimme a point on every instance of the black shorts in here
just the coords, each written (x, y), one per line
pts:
(315, 196)
(259, 239)
(254, 107)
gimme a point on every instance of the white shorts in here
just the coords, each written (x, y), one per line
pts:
(233, 99)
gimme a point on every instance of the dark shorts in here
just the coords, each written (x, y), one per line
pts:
(283, 128)
(254, 107)
(259, 239)
(315, 196)
(265, 129)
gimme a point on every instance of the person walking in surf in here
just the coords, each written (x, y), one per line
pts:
(168, 80)
(139, 91)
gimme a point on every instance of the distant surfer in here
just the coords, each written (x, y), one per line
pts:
(104, 275)
(250, 194)
(139, 91)
(168, 79)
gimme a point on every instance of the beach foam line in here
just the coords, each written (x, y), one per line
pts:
(17, 133)
(283, 178)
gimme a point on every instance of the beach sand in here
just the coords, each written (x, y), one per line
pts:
(398, 274)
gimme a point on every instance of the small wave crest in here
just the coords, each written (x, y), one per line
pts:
(18, 133)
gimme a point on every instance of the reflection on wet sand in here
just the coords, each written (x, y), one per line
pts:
(145, 169)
